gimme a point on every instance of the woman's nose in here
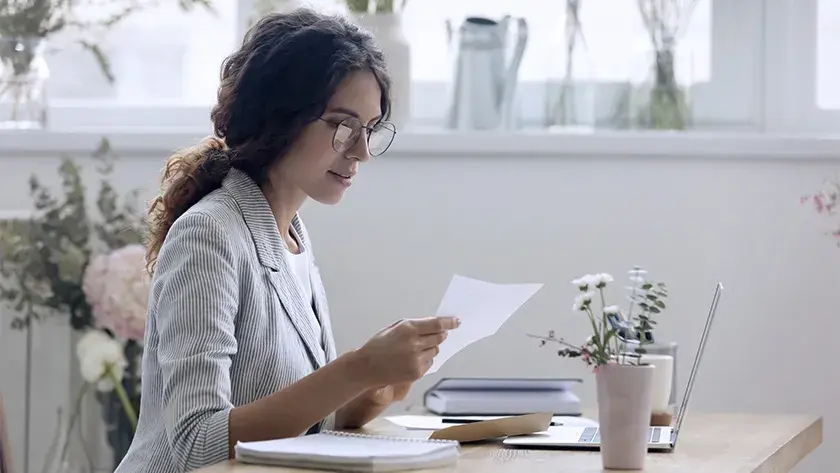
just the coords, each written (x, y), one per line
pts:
(359, 150)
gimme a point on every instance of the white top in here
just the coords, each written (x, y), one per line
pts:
(302, 269)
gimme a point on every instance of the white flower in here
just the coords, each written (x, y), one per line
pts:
(582, 300)
(584, 282)
(612, 310)
(637, 279)
(601, 279)
(97, 353)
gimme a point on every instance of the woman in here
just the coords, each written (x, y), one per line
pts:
(238, 345)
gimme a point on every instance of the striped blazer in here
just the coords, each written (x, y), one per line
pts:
(226, 325)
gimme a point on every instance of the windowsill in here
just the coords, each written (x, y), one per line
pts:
(443, 143)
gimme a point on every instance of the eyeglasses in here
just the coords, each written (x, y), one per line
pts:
(348, 131)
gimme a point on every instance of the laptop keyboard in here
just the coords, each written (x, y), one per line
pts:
(593, 435)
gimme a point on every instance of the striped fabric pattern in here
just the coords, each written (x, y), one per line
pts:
(226, 325)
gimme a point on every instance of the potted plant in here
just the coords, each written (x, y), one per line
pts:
(383, 18)
(87, 267)
(624, 383)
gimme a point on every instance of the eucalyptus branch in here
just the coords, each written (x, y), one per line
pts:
(44, 256)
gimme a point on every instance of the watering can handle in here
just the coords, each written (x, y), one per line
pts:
(511, 74)
(519, 48)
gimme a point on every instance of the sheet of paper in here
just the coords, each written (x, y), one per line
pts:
(430, 422)
(483, 308)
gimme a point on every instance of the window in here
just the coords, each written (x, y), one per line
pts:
(800, 73)
(615, 36)
(161, 58)
(618, 50)
(161, 54)
(167, 61)
(828, 67)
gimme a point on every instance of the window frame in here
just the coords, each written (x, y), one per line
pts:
(739, 97)
(790, 73)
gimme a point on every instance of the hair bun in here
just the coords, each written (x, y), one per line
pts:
(212, 143)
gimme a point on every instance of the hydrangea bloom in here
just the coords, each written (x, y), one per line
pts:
(116, 286)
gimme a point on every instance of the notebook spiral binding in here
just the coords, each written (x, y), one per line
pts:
(339, 433)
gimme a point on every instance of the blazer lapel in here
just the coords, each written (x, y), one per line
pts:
(270, 252)
(322, 310)
(318, 294)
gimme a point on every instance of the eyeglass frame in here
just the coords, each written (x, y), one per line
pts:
(364, 127)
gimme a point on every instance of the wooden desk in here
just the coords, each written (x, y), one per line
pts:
(708, 443)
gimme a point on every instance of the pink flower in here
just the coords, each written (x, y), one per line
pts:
(116, 286)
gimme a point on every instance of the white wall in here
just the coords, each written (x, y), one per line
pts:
(693, 211)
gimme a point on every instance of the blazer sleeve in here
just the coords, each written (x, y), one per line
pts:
(196, 306)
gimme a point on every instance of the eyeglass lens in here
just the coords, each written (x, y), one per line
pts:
(350, 129)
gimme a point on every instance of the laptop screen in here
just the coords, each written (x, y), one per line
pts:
(697, 357)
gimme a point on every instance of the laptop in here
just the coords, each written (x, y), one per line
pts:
(660, 438)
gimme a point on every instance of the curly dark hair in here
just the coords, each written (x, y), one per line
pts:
(279, 80)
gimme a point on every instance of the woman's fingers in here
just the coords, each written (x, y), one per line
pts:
(424, 342)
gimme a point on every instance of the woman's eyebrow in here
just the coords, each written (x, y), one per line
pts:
(343, 110)
(347, 111)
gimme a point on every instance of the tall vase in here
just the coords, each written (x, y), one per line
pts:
(68, 451)
(625, 394)
(119, 429)
(570, 88)
(663, 100)
(388, 30)
(23, 83)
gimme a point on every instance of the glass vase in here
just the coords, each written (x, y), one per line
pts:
(662, 99)
(570, 90)
(68, 452)
(390, 34)
(23, 83)
(119, 428)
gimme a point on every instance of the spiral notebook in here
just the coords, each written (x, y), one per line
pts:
(344, 451)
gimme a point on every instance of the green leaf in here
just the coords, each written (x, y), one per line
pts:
(101, 60)
(357, 6)
(647, 286)
(44, 256)
(660, 304)
(653, 309)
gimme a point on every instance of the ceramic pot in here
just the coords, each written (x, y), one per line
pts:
(388, 30)
(625, 394)
(663, 371)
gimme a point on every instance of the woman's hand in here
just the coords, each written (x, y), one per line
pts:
(402, 352)
(389, 394)
(370, 405)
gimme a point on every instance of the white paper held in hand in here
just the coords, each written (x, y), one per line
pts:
(483, 308)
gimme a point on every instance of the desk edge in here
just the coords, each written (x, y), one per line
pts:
(794, 450)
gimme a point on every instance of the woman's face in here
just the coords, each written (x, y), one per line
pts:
(312, 163)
